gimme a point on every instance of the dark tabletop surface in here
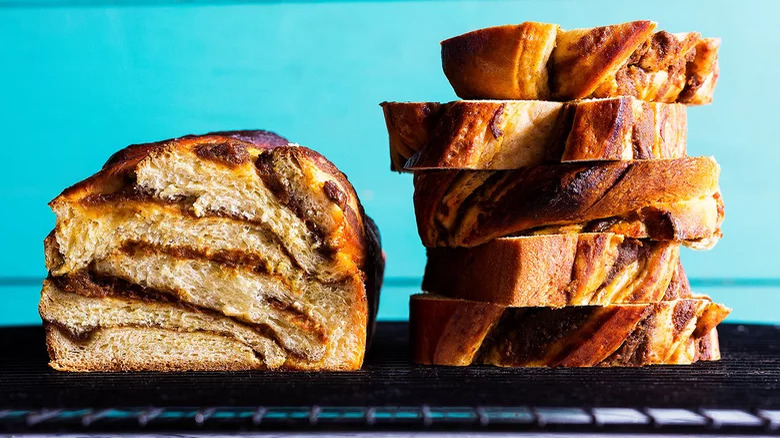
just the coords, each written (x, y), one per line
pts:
(748, 377)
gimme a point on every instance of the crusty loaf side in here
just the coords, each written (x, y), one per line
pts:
(556, 270)
(658, 199)
(540, 61)
(501, 62)
(447, 331)
(512, 134)
(238, 224)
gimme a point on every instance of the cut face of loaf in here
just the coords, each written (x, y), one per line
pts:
(513, 134)
(541, 61)
(238, 224)
(559, 270)
(675, 200)
(447, 331)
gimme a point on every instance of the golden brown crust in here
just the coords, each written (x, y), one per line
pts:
(409, 126)
(660, 199)
(512, 134)
(583, 58)
(557, 270)
(503, 62)
(458, 332)
(627, 59)
(346, 237)
(119, 170)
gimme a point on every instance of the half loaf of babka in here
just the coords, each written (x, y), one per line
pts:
(232, 250)
(540, 61)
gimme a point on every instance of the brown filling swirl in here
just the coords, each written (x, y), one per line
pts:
(90, 284)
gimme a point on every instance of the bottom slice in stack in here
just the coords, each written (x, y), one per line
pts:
(448, 331)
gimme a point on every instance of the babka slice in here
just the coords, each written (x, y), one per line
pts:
(675, 199)
(260, 236)
(559, 270)
(509, 134)
(447, 331)
(542, 61)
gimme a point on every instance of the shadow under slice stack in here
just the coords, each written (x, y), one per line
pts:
(553, 203)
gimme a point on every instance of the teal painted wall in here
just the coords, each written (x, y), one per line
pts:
(79, 82)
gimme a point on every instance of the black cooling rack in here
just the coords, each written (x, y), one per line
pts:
(740, 394)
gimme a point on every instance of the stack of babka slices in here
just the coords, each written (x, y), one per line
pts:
(553, 221)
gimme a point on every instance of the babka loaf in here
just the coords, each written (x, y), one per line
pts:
(675, 200)
(517, 133)
(540, 61)
(236, 242)
(558, 270)
(446, 331)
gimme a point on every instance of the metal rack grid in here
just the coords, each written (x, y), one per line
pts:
(739, 395)
(666, 420)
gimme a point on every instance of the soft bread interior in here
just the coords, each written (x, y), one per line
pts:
(80, 316)
(151, 349)
(227, 207)
(214, 188)
(299, 318)
(87, 232)
(527, 128)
